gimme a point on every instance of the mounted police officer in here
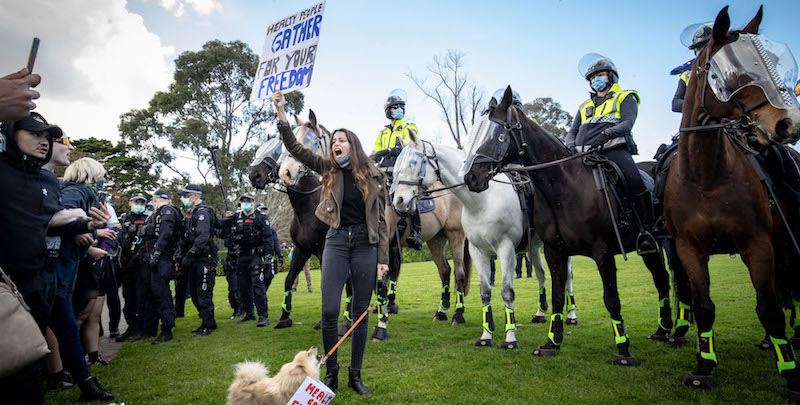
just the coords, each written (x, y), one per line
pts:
(160, 237)
(200, 256)
(252, 238)
(229, 267)
(386, 150)
(130, 261)
(604, 123)
(695, 37)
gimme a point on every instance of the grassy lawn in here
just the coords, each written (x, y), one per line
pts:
(427, 362)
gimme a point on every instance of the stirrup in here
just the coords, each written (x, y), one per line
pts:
(643, 237)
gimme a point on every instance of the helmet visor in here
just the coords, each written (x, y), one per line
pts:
(272, 149)
(696, 33)
(592, 63)
(312, 141)
(490, 141)
(411, 166)
(755, 60)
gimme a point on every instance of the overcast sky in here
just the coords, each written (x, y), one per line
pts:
(101, 58)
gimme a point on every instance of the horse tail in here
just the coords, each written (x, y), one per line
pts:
(467, 266)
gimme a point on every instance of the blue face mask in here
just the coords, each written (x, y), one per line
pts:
(397, 114)
(100, 184)
(599, 83)
(137, 209)
(148, 212)
(185, 201)
(246, 207)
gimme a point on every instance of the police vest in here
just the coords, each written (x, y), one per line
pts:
(131, 223)
(609, 110)
(685, 77)
(387, 138)
(247, 231)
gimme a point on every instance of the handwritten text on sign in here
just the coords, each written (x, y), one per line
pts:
(290, 47)
(312, 393)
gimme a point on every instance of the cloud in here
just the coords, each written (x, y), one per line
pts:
(96, 58)
(203, 7)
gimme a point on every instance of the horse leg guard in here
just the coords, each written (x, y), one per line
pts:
(554, 337)
(285, 321)
(701, 377)
(787, 367)
(794, 322)
(543, 300)
(511, 324)
(682, 324)
(664, 321)
(571, 308)
(488, 326)
(623, 358)
(347, 320)
(458, 316)
(444, 305)
(393, 308)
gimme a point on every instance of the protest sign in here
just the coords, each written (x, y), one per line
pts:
(290, 48)
(312, 393)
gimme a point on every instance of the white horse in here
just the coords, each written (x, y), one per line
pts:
(492, 221)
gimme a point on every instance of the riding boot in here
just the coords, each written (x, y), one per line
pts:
(414, 239)
(331, 379)
(645, 242)
(356, 384)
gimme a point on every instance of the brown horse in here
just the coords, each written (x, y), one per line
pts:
(714, 201)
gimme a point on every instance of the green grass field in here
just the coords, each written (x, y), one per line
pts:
(426, 362)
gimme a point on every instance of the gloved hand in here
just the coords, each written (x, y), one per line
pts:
(154, 259)
(280, 259)
(601, 140)
(187, 260)
(572, 148)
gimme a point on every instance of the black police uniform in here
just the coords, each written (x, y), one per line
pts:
(253, 239)
(160, 241)
(130, 261)
(229, 267)
(181, 276)
(200, 262)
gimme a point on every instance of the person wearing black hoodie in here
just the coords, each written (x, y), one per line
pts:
(31, 203)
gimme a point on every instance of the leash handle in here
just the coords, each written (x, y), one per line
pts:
(369, 308)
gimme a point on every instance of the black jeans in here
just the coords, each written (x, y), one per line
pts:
(347, 248)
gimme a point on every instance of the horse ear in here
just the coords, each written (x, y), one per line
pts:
(312, 118)
(297, 120)
(721, 26)
(402, 141)
(508, 98)
(752, 26)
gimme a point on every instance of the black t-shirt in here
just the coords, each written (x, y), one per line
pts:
(352, 202)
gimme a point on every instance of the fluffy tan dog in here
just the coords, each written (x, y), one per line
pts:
(253, 386)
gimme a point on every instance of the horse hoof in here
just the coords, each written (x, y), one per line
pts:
(542, 351)
(620, 360)
(510, 345)
(458, 319)
(439, 316)
(678, 341)
(484, 343)
(539, 319)
(393, 308)
(284, 323)
(318, 326)
(380, 334)
(702, 382)
(571, 321)
(792, 397)
(765, 344)
(344, 328)
(659, 336)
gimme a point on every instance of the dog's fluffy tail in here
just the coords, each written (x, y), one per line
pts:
(249, 372)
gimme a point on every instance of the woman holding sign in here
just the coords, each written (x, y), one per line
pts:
(353, 204)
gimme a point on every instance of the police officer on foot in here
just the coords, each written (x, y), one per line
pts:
(200, 256)
(130, 261)
(160, 240)
(229, 267)
(394, 108)
(604, 123)
(252, 237)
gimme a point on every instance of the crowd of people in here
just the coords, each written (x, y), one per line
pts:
(68, 253)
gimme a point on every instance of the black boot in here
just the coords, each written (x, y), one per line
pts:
(356, 384)
(96, 360)
(331, 379)
(57, 382)
(645, 242)
(91, 390)
(248, 317)
(165, 336)
(262, 321)
(414, 239)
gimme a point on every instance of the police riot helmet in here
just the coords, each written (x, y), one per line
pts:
(696, 36)
(516, 98)
(593, 63)
(396, 98)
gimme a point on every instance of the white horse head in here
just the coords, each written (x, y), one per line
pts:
(412, 171)
(313, 136)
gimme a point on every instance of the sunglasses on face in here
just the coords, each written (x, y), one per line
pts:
(62, 140)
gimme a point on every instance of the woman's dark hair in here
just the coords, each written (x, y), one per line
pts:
(359, 163)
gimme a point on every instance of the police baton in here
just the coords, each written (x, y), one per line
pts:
(213, 151)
